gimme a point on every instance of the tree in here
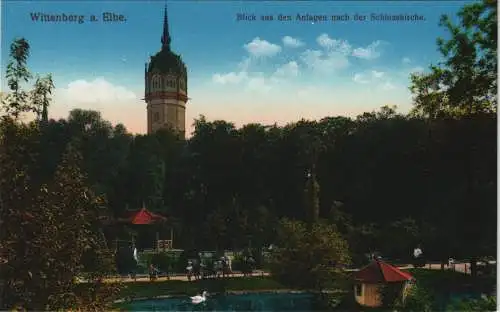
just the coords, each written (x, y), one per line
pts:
(52, 221)
(416, 300)
(50, 227)
(466, 81)
(40, 97)
(464, 84)
(309, 258)
(311, 197)
(17, 73)
(485, 303)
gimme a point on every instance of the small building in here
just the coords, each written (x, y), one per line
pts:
(150, 226)
(371, 281)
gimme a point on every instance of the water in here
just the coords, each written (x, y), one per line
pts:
(244, 302)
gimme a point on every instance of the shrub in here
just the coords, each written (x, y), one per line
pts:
(311, 256)
(163, 261)
(417, 300)
(485, 303)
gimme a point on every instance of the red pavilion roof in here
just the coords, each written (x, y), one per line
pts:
(379, 271)
(142, 216)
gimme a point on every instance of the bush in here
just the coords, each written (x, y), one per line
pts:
(180, 265)
(310, 256)
(238, 263)
(417, 300)
(125, 262)
(485, 303)
(163, 261)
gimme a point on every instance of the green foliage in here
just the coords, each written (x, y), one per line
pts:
(309, 257)
(59, 221)
(391, 294)
(50, 223)
(163, 261)
(417, 300)
(404, 235)
(466, 82)
(17, 73)
(485, 303)
(311, 196)
(40, 96)
(18, 100)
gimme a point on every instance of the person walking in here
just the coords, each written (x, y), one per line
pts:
(189, 269)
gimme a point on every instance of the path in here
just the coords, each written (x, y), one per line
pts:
(459, 267)
(177, 277)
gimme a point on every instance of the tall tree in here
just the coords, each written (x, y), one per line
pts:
(40, 97)
(309, 257)
(17, 101)
(464, 84)
(50, 227)
(466, 81)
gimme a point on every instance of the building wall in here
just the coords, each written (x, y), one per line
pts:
(164, 108)
(371, 294)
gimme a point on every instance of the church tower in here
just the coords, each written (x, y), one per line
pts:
(165, 89)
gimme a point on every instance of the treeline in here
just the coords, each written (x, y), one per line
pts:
(389, 181)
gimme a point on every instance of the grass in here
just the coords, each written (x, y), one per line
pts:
(442, 284)
(160, 288)
(451, 280)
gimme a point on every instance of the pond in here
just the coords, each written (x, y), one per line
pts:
(241, 302)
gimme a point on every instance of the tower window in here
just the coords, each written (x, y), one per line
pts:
(156, 82)
(156, 116)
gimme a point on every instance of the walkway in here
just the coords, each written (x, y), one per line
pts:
(176, 277)
(459, 267)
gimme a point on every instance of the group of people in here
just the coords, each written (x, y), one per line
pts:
(221, 267)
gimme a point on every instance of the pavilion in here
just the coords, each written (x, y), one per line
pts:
(147, 223)
(373, 278)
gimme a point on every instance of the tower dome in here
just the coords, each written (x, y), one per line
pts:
(167, 62)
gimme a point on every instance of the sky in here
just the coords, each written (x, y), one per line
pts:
(258, 71)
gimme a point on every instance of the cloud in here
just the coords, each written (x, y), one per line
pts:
(290, 69)
(117, 103)
(262, 48)
(341, 46)
(360, 78)
(372, 51)
(335, 54)
(292, 42)
(258, 84)
(229, 78)
(325, 62)
(235, 77)
(406, 60)
(368, 76)
(96, 92)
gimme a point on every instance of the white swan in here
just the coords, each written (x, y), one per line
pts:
(199, 299)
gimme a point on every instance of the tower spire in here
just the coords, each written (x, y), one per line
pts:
(165, 38)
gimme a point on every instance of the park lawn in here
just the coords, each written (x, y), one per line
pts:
(451, 280)
(162, 288)
(441, 284)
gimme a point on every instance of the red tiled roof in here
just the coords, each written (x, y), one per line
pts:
(142, 216)
(379, 271)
